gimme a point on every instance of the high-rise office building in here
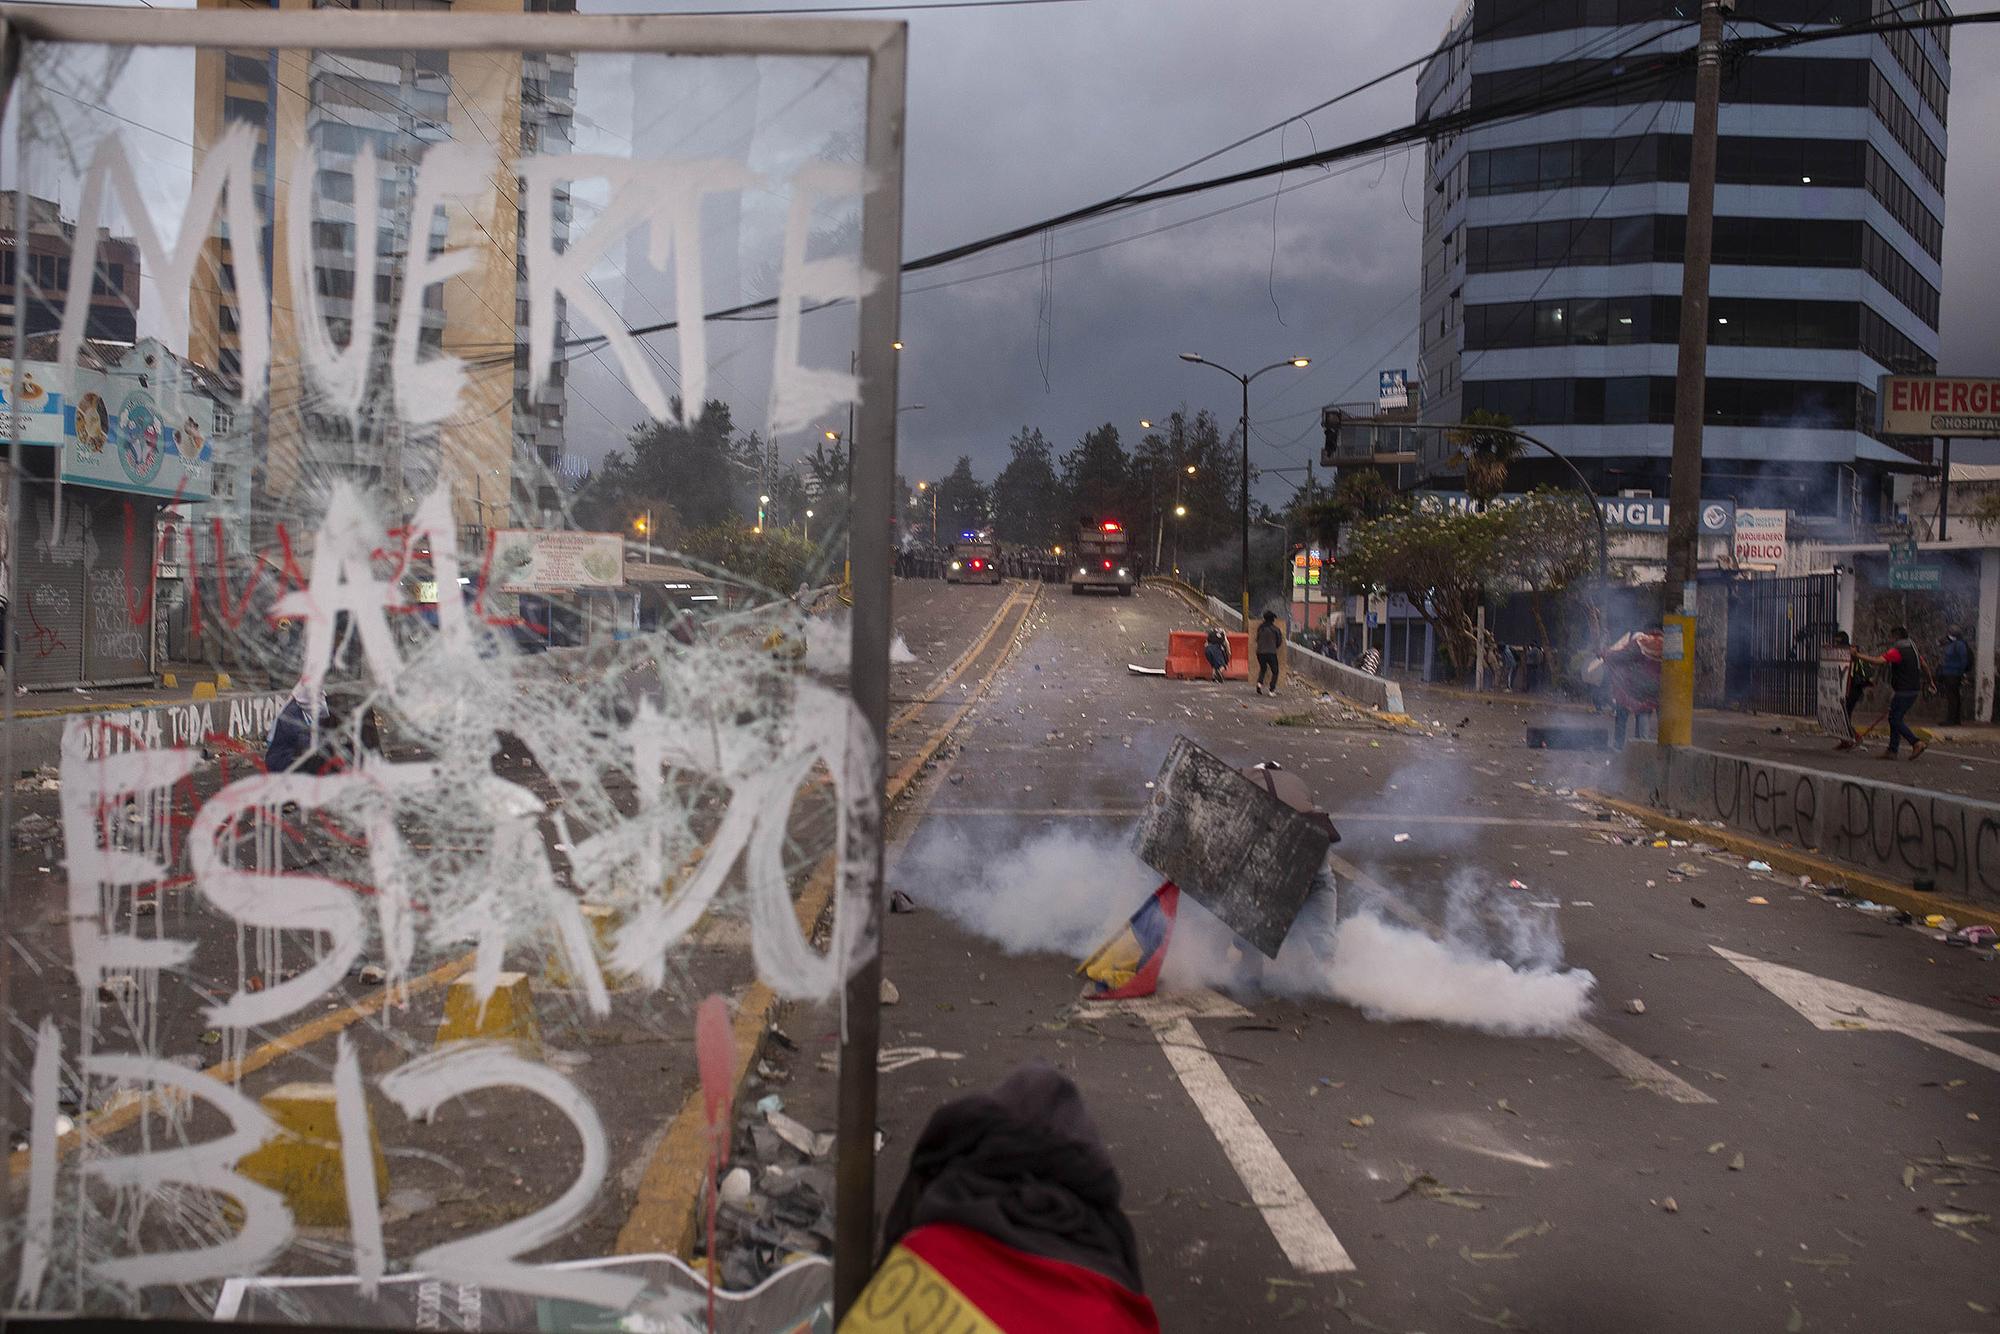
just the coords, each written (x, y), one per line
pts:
(499, 449)
(1553, 241)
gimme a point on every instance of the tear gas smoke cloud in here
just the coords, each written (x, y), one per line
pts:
(830, 645)
(1497, 967)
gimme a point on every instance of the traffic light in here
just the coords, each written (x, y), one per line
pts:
(1330, 422)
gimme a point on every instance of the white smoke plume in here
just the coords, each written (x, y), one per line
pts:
(1496, 967)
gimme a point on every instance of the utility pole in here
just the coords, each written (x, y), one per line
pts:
(1690, 391)
(1312, 536)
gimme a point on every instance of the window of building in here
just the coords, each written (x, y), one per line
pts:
(242, 67)
(245, 109)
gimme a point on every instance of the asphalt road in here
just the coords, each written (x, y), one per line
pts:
(1319, 1169)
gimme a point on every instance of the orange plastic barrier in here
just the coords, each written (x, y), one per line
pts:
(1185, 661)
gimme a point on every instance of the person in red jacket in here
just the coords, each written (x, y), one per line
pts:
(1008, 1223)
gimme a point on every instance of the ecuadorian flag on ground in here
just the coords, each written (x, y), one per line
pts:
(1128, 964)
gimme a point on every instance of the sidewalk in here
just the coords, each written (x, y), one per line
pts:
(187, 677)
(1961, 761)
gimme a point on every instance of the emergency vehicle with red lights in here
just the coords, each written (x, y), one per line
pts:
(974, 560)
(1102, 558)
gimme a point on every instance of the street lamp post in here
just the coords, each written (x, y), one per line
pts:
(1244, 380)
(809, 526)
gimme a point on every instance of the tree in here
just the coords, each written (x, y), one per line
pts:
(776, 560)
(1546, 545)
(686, 476)
(963, 503)
(1487, 454)
(1096, 476)
(1437, 559)
(1027, 495)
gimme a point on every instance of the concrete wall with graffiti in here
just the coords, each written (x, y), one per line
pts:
(1904, 833)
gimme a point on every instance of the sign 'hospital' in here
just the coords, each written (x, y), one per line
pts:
(1965, 406)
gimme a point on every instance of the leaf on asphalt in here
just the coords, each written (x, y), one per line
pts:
(1428, 1187)
(1466, 1253)
(1502, 1105)
(1717, 1146)
(1796, 1323)
(1355, 1318)
(1736, 1163)
(1958, 1218)
(1909, 1178)
(1823, 1261)
(1362, 1121)
(1506, 1319)
(1541, 1229)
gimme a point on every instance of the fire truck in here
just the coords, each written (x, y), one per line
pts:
(1103, 555)
(974, 560)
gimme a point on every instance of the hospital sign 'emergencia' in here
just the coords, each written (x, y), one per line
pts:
(1965, 406)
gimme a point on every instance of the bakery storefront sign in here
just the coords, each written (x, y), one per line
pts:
(533, 560)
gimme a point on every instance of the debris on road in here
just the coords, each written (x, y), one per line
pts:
(1670, 1205)
(1736, 1163)
(889, 994)
(1635, 1006)
(1427, 1187)
(1757, 866)
(899, 902)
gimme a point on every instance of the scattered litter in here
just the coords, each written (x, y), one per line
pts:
(1696, 902)
(1545, 903)
(1718, 1146)
(1759, 900)
(890, 995)
(769, 1103)
(1515, 884)
(1758, 866)
(372, 975)
(1661, 957)
(1736, 1163)
(901, 902)
(1635, 1006)
(1425, 1186)
(1581, 903)
(735, 1187)
(1361, 1122)
(1981, 934)
(1402, 838)
(794, 1133)
(1670, 1205)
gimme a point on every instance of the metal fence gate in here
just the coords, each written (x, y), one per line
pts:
(1786, 620)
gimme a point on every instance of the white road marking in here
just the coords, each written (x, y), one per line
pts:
(1641, 1070)
(1296, 1224)
(1837, 1007)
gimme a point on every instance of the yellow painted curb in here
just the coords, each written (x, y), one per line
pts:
(203, 690)
(664, 1216)
(303, 1163)
(1794, 862)
(507, 1016)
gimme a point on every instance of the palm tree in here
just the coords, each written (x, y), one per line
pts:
(1487, 454)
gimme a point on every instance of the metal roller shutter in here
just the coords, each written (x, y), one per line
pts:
(47, 618)
(118, 631)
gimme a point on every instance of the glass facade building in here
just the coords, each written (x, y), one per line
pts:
(1553, 240)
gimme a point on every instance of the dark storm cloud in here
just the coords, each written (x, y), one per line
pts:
(1018, 113)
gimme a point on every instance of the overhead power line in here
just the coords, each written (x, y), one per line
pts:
(1642, 71)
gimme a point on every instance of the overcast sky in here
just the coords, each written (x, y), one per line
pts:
(1016, 113)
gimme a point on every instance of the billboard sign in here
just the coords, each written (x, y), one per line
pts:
(535, 560)
(1964, 406)
(1760, 538)
(1632, 515)
(1393, 390)
(135, 427)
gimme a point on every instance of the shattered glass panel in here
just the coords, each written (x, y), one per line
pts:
(429, 675)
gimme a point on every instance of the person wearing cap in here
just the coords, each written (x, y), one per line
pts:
(1954, 661)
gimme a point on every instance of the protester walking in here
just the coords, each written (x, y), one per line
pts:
(1906, 682)
(1269, 637)
(1953, 664)
(1217, 653)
